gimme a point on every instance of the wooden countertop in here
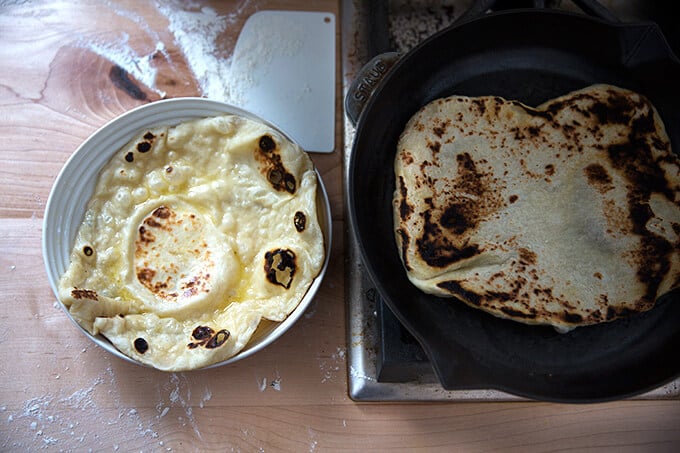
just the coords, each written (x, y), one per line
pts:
(60, 79)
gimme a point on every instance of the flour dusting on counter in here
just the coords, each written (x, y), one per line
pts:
(56, 419)
(277, 64)
(136, 61)
(178, 391)
(53, 420)
(197, 31)
(122, 54)
(331, 368)
(274, 383)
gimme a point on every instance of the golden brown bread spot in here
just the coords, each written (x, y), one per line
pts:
(526, 256)
(157, 273)
(78, 293)
(434, 146)
(406, 157)
(598, 177)
(440, 129)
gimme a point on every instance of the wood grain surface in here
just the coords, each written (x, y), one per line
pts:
(66, 68)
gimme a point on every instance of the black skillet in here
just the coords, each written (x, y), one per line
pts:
(531, 55)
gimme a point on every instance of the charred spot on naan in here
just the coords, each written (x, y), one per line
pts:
(653, 264)
(300, 221)
(472, 197)
(405, 209)
(459, 204)
(268, 154)
(141, 345)
(143, 146)
(437, 249)
(403, 238)
(280, 266)
(208, 338)
(634, 157)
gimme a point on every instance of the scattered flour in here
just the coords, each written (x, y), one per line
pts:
(207, 395)
(313, 442)
(311, 309)
(55, 419)
(223, 70)
(357, 374)
(121, 53)
(262, 384)
(197, 31)
(274, 383)
(330, 368)
(178, 394)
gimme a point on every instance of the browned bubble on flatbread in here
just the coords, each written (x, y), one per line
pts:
(178, 275)
(566, 214)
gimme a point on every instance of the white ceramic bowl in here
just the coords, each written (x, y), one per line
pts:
(76, 182)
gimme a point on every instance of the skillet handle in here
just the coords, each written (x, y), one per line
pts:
(365, 83)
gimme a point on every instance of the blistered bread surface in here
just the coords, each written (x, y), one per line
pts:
(195, 234)
(565, 214)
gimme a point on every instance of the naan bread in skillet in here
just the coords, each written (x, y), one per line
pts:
(567, 214)
(195, 234)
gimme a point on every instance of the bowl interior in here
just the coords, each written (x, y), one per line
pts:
(76, 183)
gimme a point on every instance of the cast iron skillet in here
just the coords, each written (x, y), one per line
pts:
(529, 55)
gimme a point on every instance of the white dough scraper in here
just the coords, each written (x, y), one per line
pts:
(285, 67)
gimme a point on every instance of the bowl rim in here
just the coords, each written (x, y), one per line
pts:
(121, 129)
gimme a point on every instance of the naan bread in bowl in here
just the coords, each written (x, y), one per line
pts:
(194, 236)
(566, 214)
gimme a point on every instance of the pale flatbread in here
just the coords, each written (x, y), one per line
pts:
(567, 214)
(195, 233)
